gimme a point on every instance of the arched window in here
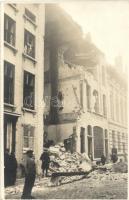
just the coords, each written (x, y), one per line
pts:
(96, 100)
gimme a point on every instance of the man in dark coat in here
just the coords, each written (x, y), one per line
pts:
(13, 168)
(30, 174)
(114, 156)
(6, 168)
(45, 161)
(103, 159)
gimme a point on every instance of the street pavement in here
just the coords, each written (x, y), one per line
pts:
(87, 188)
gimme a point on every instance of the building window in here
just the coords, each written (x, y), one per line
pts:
(8, 83)
(103, 75)
(121, 108)
(28, 140)
(30, 15)
(89, 130)
(117, 108)
(123, 136)
(96, 101)
(119, 142)
(29, 44)
(111, 106)
(104, 106)
(124, 149)
(89, 141)
(9, 30)
(81, 94)
(28, 95)
(113, 138)
(88, 93)
(106, 142)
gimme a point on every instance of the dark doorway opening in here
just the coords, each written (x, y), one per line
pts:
(98, 142)
(10, 132)
(82, 139)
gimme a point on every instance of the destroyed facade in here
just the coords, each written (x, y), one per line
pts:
(46, 60)
(86, 98)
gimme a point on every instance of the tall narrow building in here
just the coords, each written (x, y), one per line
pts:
(23, 78)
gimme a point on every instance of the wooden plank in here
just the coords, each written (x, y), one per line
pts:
(56, 174)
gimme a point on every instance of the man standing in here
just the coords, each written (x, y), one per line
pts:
(7, 168)
(13, 168)
(103, 159)
(30, 173)
(45, 161)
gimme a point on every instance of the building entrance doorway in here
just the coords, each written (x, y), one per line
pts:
(98, 142)
(82, 140)
(89, 141)
(10, 132)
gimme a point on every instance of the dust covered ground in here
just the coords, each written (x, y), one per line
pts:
(95, 186)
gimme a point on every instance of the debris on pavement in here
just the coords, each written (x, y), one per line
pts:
(63, 161)
(121, 167)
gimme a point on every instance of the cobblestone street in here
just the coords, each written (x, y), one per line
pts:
(83, 189)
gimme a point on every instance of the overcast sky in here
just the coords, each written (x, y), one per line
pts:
(108, 23)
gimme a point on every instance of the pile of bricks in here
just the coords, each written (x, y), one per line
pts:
(63, 161)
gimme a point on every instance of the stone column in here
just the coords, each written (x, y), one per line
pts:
(54, 82)
(1, 109)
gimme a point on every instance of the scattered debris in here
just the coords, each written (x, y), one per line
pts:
(121, 167)
(62, 161)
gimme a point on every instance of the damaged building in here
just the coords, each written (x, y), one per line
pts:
(85, 98)
(23, 78)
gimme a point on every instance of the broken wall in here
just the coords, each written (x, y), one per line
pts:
(58, 133)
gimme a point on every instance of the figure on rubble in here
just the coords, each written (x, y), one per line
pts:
(30, 174)
(114, 156)
(45, 158)
(103, 159)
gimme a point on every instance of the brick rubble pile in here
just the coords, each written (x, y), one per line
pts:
(62, 161)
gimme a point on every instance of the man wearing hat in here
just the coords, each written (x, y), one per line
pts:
(30, 173)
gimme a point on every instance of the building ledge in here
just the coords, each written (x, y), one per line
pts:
(13, 6)
(10, 47)
(31, 21)
(28, 110)
(13, 107)
(118, 124)
(29, 57)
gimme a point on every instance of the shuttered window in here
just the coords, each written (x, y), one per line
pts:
(28, 137)
(8, 83)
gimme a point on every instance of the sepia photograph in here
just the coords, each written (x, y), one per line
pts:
(64, 69)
